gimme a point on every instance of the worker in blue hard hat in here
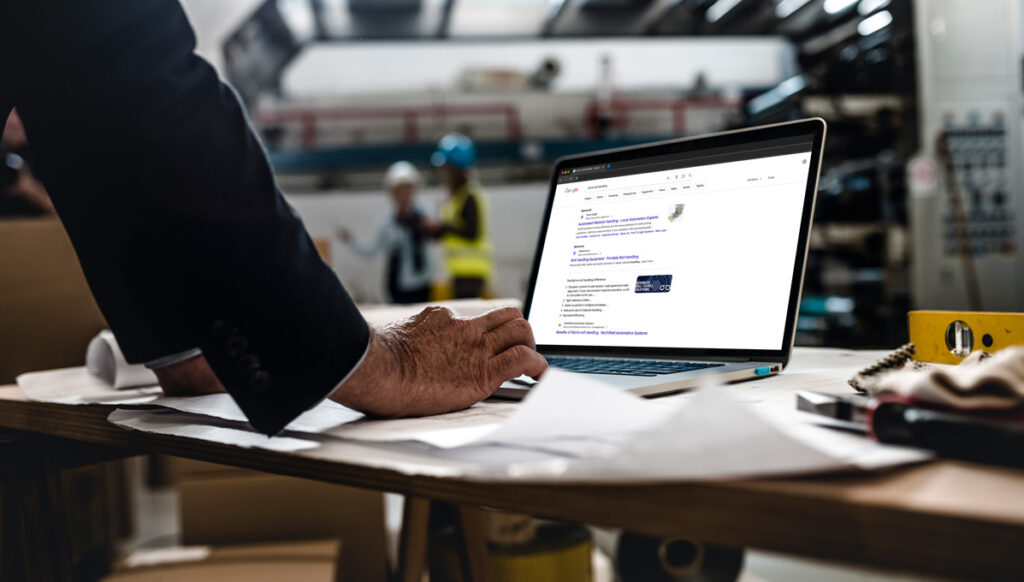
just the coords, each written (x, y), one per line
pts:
(463, 219)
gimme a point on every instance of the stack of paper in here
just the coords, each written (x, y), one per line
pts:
(571, 428)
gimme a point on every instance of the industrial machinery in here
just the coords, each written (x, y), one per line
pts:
(967, 183)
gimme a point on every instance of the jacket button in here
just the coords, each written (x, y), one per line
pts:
(260, 381)
(247, 365)
(236, 345)
(224, 328)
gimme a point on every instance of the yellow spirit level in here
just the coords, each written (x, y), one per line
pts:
(947, 337)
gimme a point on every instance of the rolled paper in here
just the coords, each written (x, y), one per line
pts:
(104, 360)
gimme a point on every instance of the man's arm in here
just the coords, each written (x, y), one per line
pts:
(172, 208)
(186, 241)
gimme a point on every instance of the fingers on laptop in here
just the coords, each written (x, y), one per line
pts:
(511, 333)
(517, 361)
(498, 317)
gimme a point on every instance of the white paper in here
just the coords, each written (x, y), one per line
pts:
(408, 457)
(78, 386)
(104, 360)
(442, 430)
(567, 405)
(714, 437)
(161, 556)
(174, 423)
(601, 433)
(322, 417)
(573, 428)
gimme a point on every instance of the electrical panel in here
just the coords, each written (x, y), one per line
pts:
(967, 183)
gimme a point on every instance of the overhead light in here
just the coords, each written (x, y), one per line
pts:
(298, 15)
(874, 23)
(720, 9)
(786, 7)
(836, 6)
(868, 6)
(777, 94)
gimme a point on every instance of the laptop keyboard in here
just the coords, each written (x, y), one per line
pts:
(647, 368)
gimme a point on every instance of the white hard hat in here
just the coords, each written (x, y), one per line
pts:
(401, 172)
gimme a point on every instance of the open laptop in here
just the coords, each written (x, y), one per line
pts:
(660, 265)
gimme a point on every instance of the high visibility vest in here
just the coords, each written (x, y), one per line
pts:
(469, 258)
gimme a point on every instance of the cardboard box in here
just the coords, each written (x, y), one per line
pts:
(47, 310)
(313, 561)
(221, 506)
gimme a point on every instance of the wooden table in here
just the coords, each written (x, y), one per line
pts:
(945, 518)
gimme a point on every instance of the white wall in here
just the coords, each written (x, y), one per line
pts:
(516, 213)
(331, 69)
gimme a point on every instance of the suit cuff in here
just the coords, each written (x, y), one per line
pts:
(359, 362)
(173, 359)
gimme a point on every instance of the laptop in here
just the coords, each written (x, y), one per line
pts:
(661, 265)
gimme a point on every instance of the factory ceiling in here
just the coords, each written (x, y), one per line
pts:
(263, 46)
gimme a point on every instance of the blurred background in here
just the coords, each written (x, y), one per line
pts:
(920, 202)
(340, 89)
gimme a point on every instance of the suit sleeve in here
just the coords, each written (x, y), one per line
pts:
(171, 205)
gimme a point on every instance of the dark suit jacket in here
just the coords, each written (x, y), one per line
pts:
(169, 201)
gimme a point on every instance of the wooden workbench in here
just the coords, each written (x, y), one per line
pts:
(944, 518)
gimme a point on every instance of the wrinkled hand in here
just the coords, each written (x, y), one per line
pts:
(435, 362)
(191, 377)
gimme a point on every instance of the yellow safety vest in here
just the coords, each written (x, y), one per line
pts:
(469, 258)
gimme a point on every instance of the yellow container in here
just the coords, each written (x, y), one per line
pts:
(560, 553)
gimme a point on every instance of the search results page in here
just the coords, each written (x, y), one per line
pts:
(690, 257)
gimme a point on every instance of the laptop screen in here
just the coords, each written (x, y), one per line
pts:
(693, 249)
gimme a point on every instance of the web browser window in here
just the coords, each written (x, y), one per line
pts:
(683, 251)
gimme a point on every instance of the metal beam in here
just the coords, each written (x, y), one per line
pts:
(556, 8)
(322, 33)
(446, 19)
(657, 14)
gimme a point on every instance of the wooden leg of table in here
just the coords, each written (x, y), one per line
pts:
(471, 530)
(35, 526)
(412, 546)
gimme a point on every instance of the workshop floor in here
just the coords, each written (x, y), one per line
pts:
(156, 513)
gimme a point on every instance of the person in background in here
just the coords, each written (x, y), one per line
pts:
(21, 194)
(401, 234)
(462, 229)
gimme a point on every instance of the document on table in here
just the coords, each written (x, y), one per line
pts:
(604, 434)
(333, 419)
(574, 428)
(78, 386)
(322, 417)
(173, 423)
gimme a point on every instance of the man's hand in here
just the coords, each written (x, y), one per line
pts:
(435, 362)
(191, 377)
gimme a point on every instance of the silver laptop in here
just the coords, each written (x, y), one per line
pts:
(660, 265)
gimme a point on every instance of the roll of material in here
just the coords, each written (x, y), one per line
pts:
(104, 360)
(640, 558)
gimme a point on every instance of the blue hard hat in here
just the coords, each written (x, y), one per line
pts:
(454, 149)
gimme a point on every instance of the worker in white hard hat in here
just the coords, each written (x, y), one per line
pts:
(410, 270)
